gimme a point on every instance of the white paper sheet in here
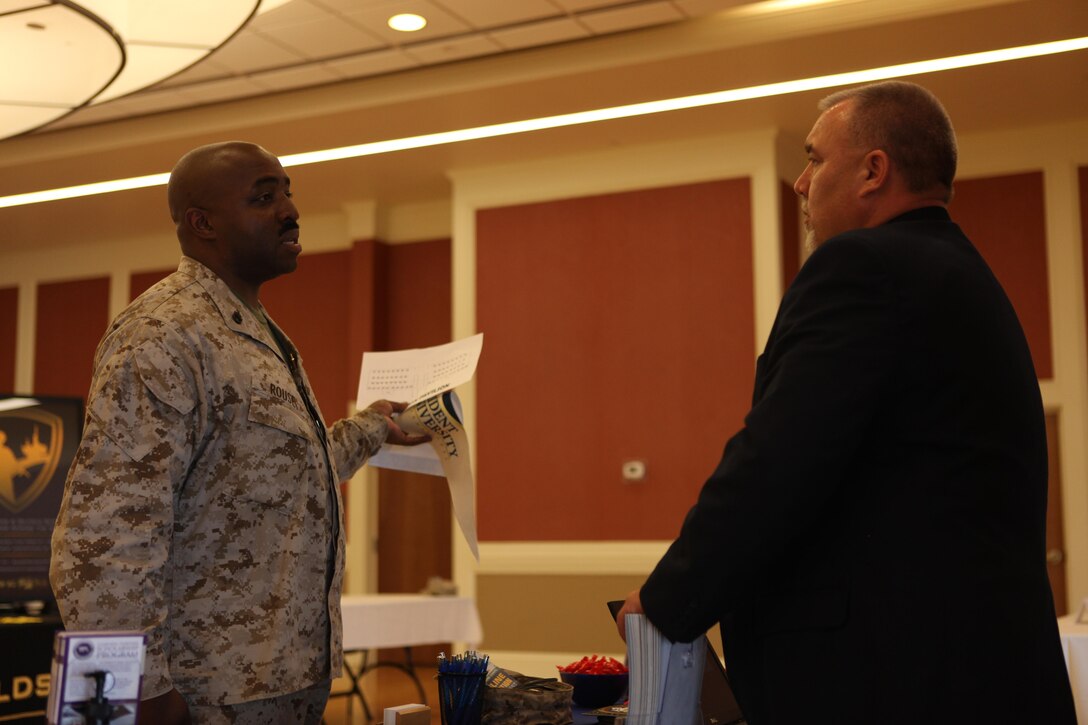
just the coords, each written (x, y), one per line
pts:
(425, 378)
(414, 375)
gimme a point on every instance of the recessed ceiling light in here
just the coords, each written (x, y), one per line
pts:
(407, 22)
(778, 6)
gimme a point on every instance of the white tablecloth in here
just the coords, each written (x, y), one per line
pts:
(1075, 646)
(404, 620)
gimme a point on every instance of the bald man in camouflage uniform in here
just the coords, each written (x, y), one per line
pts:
(203, 507)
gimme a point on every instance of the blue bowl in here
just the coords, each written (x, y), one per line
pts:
(595, 690)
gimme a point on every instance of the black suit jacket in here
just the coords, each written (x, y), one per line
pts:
(873, 539)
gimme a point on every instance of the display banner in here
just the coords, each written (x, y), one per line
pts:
(38, 440)
(27, 644)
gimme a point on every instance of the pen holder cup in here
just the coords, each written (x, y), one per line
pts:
(461, 698)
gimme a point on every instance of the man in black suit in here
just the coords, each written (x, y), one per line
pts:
(872, 541)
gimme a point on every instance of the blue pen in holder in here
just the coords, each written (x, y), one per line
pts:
(461, 688)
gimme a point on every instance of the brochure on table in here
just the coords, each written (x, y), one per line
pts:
(92, 670)
(425, 379)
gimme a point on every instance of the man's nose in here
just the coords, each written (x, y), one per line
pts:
(800, 187)
(289, 210)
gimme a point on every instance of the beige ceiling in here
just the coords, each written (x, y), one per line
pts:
(306, 43)
(324, 73)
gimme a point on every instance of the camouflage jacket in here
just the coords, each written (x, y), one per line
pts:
(200, 507)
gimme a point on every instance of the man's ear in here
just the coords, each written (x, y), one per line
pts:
(877, 170)
(197, 221)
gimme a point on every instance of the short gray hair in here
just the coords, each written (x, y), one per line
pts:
(908, 123)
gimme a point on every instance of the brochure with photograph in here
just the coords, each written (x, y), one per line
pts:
(96, 675)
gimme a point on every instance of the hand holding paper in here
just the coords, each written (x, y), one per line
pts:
(426, 378)
(397, 435)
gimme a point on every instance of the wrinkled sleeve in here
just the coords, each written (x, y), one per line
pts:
(112, 542)
(354, 440)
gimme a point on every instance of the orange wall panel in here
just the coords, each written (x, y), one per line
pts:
(416, 305)
(71, 319)
(1082, 177)
(413, 509)
(1005, 218)
(616, 327)
(367, 292)
(9, 315)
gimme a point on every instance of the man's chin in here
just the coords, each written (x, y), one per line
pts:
(811, 243)
(288, 256)
(284, 265)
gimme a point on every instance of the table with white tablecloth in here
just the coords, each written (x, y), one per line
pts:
(373, 621)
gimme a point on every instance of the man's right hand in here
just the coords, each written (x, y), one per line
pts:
(395, 434)
(166, 709)
(632, 605)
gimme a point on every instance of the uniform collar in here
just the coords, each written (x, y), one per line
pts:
(236, 314)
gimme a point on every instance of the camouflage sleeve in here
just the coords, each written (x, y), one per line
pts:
(112, 543)
(353, 440)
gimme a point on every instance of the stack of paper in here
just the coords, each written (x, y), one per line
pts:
(666, 677)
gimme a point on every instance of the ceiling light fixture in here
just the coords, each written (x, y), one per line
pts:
(74, 54)
(769, 7)
(407, 22)
(603, 114)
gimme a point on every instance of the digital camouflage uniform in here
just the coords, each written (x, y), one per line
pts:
(201, 508)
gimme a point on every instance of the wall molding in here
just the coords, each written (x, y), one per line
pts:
(570, 557)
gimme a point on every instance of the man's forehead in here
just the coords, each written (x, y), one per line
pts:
(239, 154)
(827, 124)
(272, 178)
(253, 168)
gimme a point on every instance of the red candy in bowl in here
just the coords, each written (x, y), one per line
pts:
(597, 681)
